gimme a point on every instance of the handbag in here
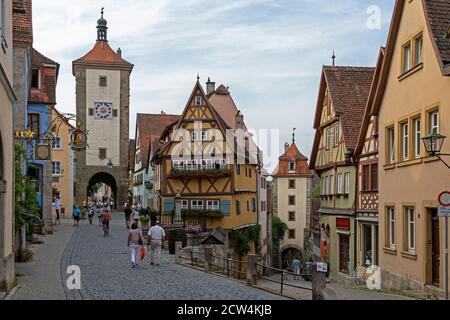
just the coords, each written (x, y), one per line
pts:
(140, 242)
(142, 253)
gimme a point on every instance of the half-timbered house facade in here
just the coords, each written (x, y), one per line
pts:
(199, 167)
(367, 198)
(340, 108)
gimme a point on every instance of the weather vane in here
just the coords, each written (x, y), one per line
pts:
(293, 135)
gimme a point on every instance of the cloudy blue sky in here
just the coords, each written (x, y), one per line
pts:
(269, 52)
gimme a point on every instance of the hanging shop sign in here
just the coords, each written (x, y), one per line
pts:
(43, 152)
(25, 135)
(78, 140)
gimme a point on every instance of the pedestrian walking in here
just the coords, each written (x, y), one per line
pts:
(76, 213)
(135, 243)
(58, 208)
(136, 217)
(128, 213)
(285, 269)
(156, 236)
(296, 266)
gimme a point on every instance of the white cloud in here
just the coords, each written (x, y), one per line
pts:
(270, 52)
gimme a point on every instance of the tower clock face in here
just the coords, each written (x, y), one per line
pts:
(103, 111)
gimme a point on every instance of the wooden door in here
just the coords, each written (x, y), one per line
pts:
(344, 253)
(435, 247)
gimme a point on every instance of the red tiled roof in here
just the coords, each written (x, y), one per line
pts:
(46, 93)
(292, 154)
(150, 127)
(38, 59)
(22, 21)
(438, 16)
(102, 54)
(349, 89)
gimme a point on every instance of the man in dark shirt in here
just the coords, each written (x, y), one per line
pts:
(128, 213)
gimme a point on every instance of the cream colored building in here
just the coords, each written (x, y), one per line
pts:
(292, 200)
(6, 151)
(412, 101)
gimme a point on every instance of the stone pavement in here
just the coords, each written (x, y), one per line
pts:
(40, 279)
(106, 272)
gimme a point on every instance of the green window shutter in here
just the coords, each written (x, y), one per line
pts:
(169, 206)
(225, 207)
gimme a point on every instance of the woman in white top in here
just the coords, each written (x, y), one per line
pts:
(134, 243)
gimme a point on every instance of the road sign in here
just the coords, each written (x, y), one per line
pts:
(322, 267)
(444, 199)
(444, 211)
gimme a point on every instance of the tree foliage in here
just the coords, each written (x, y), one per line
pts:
(26, 198)
(242, 239)
(279, 229)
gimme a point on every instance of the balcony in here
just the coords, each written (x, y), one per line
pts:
(201, 213)
(197, 172)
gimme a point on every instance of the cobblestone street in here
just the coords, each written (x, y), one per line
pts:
(106, 272)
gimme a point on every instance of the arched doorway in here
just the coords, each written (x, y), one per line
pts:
(288, 253)
(103, 178)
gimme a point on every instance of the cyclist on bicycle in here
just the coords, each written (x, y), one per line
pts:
(106, 218)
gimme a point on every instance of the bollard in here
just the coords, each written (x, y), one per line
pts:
(208, 259)
(251, 269)
(318, 283)
(178, 250)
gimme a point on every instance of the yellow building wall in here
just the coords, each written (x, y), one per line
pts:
(65, 155)
(418, 182)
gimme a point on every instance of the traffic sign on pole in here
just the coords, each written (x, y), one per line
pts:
(444, 211)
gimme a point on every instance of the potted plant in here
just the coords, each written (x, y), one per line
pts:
(145, 222)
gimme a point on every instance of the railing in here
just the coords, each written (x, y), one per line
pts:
(283, 274)
(227, 268)
(193, 260)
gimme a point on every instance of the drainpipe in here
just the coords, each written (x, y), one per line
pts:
(355, 204)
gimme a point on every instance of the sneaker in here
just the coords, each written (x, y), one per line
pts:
(152, 263)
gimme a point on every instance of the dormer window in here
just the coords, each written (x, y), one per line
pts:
(35, 75)
(292, 166)
(198, 101)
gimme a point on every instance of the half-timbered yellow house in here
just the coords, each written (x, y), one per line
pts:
(340, 108)
(207, 164)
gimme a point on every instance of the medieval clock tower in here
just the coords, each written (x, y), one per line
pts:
(102, 102)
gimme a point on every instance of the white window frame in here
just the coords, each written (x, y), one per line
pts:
(184, 205)
(192, 165)
(198, 101)
(405, 140)
(391, 136)
(336, 135)
(220, 162)
(411, 226)
(347, 183)
(195, 136)
(57, 173)
(204, 135)
(340, 188)
(418, 54)
(407, 57)
(292, 166)
(213, 205)
(57, 145)
(327, 185)
(207, 164)
(178, 165)
(327, 138)
(391, 227)
(434, 121)
(331, 184)
(197, 204)
(417, 137)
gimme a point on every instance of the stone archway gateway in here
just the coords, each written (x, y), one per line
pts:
(106, 178)
(290, 252)
(102, 104)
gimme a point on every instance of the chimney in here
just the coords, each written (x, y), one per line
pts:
(286, 147)
(119, 52)
(239, 121)
(210, 87)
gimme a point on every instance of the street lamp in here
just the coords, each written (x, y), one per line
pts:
(110, 164)
(433, 145)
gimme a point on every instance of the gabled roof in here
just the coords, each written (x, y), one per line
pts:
(224, 104)
(151, 126)
(349, 89)
(292, 154)
(46, 93)
(437, 14)
(58, 114)
(370, 101)
(38, 59)
(103, 55)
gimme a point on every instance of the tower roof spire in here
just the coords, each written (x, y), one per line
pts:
(102, 28)
(293, 135)
(334, 59)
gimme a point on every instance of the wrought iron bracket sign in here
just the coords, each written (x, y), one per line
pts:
(43, 152)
